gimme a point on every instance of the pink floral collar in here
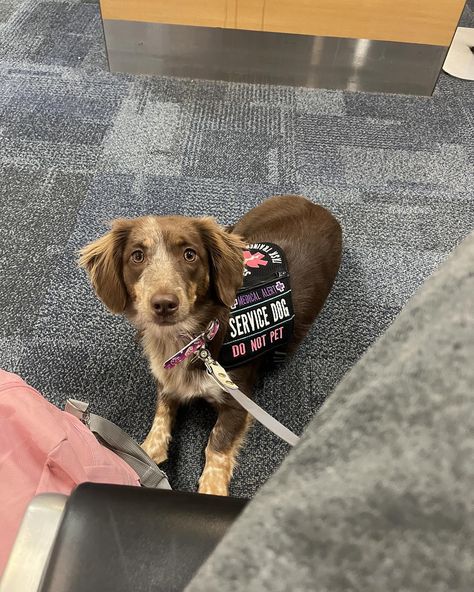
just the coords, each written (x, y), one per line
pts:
(193, 346)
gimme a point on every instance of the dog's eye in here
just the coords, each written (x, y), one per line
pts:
(190, 255)
(138, 256)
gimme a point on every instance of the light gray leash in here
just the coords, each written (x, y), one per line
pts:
(121, 443)
(220, 376)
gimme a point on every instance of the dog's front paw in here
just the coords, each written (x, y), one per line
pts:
(156, 448)
(213, 485)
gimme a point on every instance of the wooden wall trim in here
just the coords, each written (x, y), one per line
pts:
(431, 22)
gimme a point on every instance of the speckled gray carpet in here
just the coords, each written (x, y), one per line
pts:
(79, 146)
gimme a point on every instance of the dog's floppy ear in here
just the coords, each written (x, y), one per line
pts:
(226, 259)
(102, 260)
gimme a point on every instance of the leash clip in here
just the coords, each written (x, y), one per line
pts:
(215, 370)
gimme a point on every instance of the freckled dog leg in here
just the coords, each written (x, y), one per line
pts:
(158, 439)
(221, 452)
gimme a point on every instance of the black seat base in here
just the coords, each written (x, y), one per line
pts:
(134, 539)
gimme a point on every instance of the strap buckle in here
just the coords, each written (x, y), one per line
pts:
(79, 409)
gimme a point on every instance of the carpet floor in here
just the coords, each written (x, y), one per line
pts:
(79, 146)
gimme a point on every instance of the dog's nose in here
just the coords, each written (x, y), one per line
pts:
(164, 304)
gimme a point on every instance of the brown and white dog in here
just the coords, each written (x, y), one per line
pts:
(170, 276)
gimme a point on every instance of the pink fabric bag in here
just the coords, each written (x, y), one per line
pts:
(44, 449)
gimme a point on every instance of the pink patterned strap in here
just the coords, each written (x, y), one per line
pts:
(193, 346)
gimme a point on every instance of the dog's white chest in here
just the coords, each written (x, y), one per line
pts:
(180, 381)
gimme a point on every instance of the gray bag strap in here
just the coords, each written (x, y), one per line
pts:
(121, 443)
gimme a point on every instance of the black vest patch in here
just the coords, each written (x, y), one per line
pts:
(261, 318)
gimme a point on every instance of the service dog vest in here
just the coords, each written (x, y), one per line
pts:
(261, 318)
